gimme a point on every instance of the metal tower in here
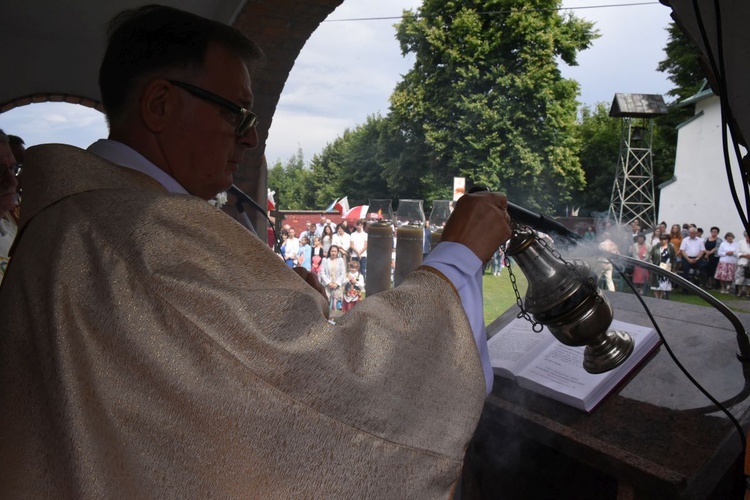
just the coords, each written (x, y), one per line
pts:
(633, 189)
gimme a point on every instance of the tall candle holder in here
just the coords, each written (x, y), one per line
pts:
(409, 238)
(441, 210)
(379, 246)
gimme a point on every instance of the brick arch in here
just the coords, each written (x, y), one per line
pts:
(281, 28)
(50, 97)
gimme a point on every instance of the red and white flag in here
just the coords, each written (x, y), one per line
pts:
(271, 204)
(342, 205)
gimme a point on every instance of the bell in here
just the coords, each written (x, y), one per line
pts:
(563, 296)
(637, 134)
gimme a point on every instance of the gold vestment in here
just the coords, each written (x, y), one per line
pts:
(153, 347)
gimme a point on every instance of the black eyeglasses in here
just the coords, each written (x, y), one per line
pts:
(246, 119)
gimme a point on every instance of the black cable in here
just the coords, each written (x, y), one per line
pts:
(724, 101)
(569, 234)
(684, 370)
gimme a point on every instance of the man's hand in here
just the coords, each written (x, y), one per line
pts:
(481, 222)
(311, 280)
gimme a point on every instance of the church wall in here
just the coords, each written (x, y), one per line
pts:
(701, 192)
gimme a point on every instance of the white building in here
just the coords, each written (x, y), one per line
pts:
(699, 191)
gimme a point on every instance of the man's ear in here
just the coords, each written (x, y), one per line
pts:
(157, 103)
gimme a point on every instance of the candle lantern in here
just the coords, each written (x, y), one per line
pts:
(441, 210)
(379, 246)
(409, 238)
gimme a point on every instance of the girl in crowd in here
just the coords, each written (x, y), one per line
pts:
(640, 250)
(342, 239)
(712, 244)
(664, 256)
(317, 255)
(332, 276)
(355, 284)
(727, 263)
(327, 239)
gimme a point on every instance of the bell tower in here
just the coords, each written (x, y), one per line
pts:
(633, 190)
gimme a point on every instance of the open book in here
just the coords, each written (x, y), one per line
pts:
(539, 363)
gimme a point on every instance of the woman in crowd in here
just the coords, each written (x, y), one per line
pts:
(317, 255)
(304, 257)
(342, 239)
(655, 237)
(664, 256)
(675, 239)
(327, 239)
(282, 243)
(727, 266)
(712, 244)
(741, 274)
(291, 249)
(332, 275)
(640, 250)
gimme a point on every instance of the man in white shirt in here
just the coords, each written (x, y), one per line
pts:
(342, 239)
(692, 250)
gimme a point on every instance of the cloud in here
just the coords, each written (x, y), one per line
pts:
(348, 70)
(55, 122)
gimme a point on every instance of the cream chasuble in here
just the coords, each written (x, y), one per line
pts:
(153, 347)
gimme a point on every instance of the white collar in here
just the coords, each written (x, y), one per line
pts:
(125, 156)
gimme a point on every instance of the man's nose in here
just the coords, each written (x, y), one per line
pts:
(250, 138)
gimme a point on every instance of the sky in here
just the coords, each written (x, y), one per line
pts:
(351, 64)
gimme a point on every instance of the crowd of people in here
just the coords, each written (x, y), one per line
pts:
(712, 262)
(335, 253)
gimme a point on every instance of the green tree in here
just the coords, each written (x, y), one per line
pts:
(291, 183)
(681, 64)
(599, 135)
(370, 161)
(485, 98)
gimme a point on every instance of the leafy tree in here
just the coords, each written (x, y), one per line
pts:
(290, 182)
(599, 135)
(486, 100)
(681, 64)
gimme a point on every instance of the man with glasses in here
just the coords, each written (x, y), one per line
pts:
(153, 347)
(8, 200)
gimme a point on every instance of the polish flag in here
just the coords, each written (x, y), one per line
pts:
(342, 205)
(271, 204)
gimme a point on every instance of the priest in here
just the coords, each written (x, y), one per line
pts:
(153, 347)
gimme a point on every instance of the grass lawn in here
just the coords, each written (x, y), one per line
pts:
(498, 293)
